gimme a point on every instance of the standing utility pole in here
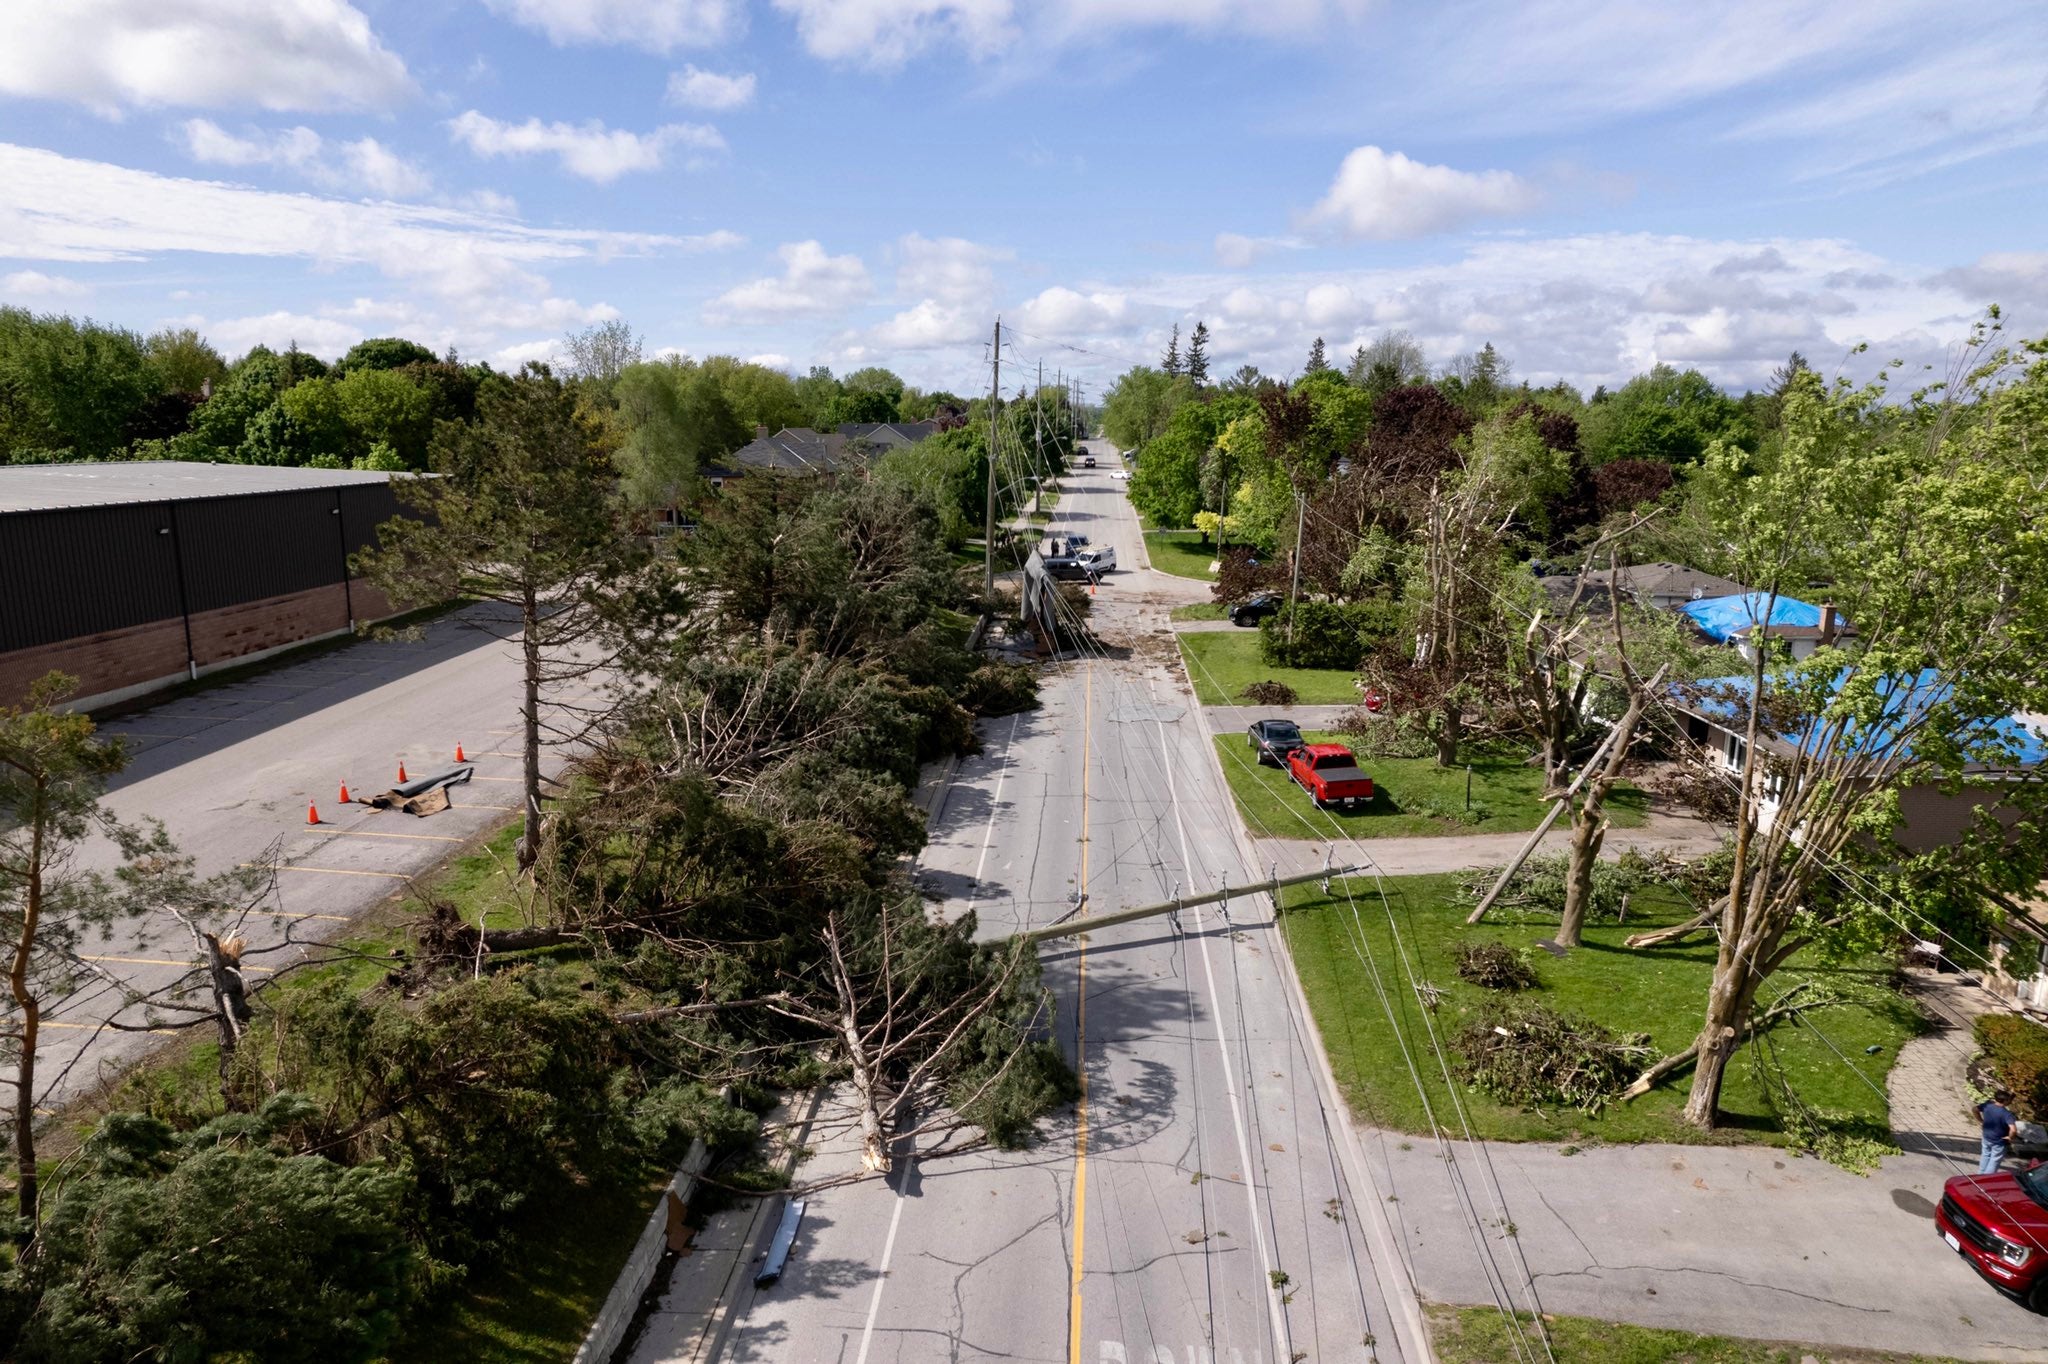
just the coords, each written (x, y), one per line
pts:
(1038, 440)
(995, 397)
(1294, 592)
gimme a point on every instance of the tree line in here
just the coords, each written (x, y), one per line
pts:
(714, 902)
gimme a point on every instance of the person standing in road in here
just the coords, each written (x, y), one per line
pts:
(1999, 1127)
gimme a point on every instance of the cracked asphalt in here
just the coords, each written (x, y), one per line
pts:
(1209, 1208)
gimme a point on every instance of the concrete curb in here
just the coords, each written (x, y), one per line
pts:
(1369, 1203)
(723, 1313)
(609, 1327)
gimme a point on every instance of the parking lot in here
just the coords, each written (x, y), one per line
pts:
(231, 769)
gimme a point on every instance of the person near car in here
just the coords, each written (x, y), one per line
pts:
(1999, 1127)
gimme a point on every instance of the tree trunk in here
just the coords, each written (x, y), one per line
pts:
(28, 1184)
(1587, 836)
(230, 1007)
(1450, 728)
(529, 718)
(1728, 1006)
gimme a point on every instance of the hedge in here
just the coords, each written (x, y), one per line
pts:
(2017, 1049)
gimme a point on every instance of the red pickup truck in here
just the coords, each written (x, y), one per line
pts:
(1330, 775)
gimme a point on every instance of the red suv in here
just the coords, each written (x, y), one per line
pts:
(1999, 1223)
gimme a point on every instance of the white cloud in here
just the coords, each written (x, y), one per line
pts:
(363, 164)
(811, 283)
(323, 336)
(2007, 278)
(771, 359)
(1383, 195)
(274, 54)
(697, 89)
(885, 33)
(1062, 312)
(513, 357)
(651, 25)
(589, 150)
(34, 284)
(931, 324)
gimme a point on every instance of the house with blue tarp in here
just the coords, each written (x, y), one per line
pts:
(1742, 619)
(1717, 719)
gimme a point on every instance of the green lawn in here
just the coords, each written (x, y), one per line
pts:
(1205, 610)
(1660, 991)
(1223, 664)
(1412, 797)
(1479, 1335)
(1181, 553)
(534, 1305)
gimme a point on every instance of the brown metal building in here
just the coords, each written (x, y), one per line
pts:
(133, 576)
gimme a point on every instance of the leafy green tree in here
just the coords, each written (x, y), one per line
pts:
(757, 395)
(858, 406)
(384, 406)
(815, 394)
(182, 361)
(676, 421)
(317, 426)
(951, 469)
(1925, 521)
(1666, 415)
(876, 379)
(1198, 355)
(598, 352)
(1392, 360)
(221, 424)
(384, 352)
(217, 1245)
(521, 514)
(1167, 485)
(53, 771)
(67, 385)
(1139, 405)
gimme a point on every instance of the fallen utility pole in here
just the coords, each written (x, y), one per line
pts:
(1563, 803)
(1090, 922)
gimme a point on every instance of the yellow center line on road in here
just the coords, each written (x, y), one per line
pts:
(1081, 1044)
(329, 871)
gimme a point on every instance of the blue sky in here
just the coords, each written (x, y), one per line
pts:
(1593, 186)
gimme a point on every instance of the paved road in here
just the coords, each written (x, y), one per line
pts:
(230, 771)
(1203, 1203)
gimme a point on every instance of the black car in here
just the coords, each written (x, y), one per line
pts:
(1255, 608)
(1273, 740)
(1066, 568)
(1087, 461)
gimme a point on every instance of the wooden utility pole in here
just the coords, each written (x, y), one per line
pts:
(1294, 591)
(1272, 886)
(995, 398)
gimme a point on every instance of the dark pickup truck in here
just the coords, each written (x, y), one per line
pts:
(1330, 775)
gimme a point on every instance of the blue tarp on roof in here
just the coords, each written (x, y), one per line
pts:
(1722, 618)
(1904, 698)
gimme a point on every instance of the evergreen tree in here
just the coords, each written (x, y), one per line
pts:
(1198, 354)
(1171, 361)
(1318, 358)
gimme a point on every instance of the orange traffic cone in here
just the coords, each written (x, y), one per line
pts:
(344, 793)
(401, 773)
(458, 754)
(312, 813)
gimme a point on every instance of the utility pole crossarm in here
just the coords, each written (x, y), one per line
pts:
(1071, 927)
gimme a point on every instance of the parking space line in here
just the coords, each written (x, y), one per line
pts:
(301, 914)
(165, 961)
(379, 833)
(91, 1027)
(329, 871)
(479, 805)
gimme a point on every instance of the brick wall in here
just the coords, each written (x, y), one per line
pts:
(119, 659)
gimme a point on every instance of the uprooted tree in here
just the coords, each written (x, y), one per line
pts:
(1927, 520)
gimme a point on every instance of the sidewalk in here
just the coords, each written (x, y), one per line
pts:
(1681, 834)
(1930, 1100)
(1750, 1241)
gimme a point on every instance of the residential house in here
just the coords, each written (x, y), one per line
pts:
(885, 436)
(1744, 617)
(1659, 586)
(1717, 719)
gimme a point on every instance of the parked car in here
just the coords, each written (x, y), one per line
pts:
(1067, 568)
(1330, 775)
(1999, 1224)
(1101, 560)
(1273, 740)
(1255, 608)
(1087, 461)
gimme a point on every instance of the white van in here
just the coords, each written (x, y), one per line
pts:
(1098, 561)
